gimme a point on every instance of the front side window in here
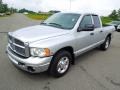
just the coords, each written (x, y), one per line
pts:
(62, 20)
(96, 21)
(86, 20)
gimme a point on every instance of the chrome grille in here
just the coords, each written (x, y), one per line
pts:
(20, 50)
(18, 46)
(18, 42)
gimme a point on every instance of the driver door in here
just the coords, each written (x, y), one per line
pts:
(84, 38)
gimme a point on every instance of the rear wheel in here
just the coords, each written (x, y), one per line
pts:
(60, 64)
(106, 44)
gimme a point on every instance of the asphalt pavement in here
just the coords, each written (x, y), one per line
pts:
(94, 70)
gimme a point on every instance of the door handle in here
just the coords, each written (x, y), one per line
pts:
(91, 33)
(101, 31)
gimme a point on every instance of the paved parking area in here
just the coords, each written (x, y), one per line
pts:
(95, 70)
(15, 21)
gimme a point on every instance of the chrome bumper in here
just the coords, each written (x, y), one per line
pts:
(31, 64)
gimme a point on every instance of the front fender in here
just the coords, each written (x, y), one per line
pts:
(56, 43)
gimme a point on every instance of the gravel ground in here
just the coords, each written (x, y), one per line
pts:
(95, 70)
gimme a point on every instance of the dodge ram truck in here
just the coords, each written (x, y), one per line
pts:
(53, 45)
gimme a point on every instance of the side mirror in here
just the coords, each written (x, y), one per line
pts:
(88, 27)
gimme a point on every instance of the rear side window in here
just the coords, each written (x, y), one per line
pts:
(96, 21)
(86, 20)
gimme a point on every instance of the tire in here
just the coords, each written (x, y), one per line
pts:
(118, 30)
(60, 64)
(106, 44)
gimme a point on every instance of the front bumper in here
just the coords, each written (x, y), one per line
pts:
(31, 64)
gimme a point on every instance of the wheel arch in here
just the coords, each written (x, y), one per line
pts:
(109, 35)
(69, 49)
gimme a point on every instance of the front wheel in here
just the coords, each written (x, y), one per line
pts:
(106, 44)
(60, 64)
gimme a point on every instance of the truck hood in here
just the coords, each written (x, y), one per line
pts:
(39, 32)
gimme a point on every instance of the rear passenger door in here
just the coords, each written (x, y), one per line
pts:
(98, 32)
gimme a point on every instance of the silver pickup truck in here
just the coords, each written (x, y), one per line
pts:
(53, 45)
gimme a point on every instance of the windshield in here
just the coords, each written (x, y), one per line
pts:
(62, 20)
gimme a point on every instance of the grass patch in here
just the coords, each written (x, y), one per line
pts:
(38, 16)
(106, 20)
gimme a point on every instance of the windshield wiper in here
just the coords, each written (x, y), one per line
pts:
(60, 26)
(56, 24)
(52, 24)
(43, 23)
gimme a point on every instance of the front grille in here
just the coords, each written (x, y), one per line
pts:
(12, 46)
(20, 50)
(10, 37)
(18, 42)
(18, 46)
(16, 53)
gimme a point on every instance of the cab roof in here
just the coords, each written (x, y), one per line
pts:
(79, 13)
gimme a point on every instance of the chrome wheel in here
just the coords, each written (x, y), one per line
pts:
(63, 64)
(107, 43)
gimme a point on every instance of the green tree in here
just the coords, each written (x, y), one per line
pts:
(3, 8)
(119, 13)
(54, 11)
(25, 10)
(12, 10)
(114, 15)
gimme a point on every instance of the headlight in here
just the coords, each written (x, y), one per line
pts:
(40, 52)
